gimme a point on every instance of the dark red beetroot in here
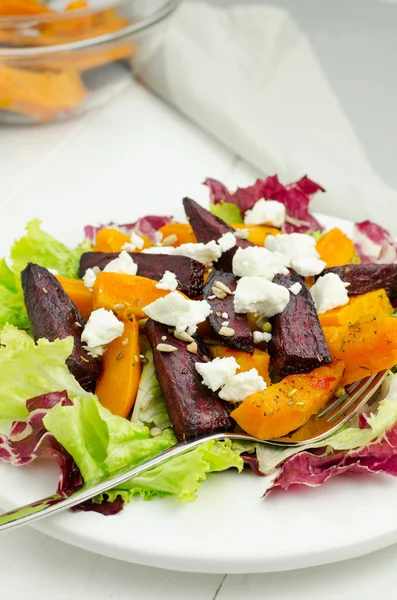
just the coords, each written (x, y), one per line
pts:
(208, 227)
(298, 344)
(367, 278)
(53, 316)
(243, 338)
(190, 273)
(193, 409)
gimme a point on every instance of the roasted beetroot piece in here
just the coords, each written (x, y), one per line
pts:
(208, 227)
(367, 278)
(193, 409)
(190, 273)
(216, 294)
(53, 316)
(298, 344)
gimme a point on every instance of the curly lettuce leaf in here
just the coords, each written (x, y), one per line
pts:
(149, 408)
(40, 247)
(12, 305)
(28, 370)
(101, 443)
(227, 212)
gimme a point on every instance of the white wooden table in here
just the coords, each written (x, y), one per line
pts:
(135, 147)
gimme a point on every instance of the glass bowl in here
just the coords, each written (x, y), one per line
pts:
(72, 58)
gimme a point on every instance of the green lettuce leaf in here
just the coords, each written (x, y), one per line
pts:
(101, 443)
(12, 305)
(346, 438)
(227, 211)
(149, 408)
(28, 370)
(40, 247)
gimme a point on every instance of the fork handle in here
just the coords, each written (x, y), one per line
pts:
(58, 502)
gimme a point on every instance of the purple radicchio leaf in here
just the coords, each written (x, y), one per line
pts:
(30, 439)
(144, 226)
(374, 244)
(295, 196)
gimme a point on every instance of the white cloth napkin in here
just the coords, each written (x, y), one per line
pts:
(250, 74)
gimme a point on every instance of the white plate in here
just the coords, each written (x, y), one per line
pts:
(230, 528)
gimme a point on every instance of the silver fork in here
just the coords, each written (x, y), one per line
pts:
(337, 412)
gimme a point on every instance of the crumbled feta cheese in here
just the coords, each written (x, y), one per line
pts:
(295, 288)
(225, 323)
(179, 312)
(240, 386)
(168, 282)
(328, 292)
(136, 243)
(122, 264)
(224, 315)
(258, 262)
(299, 251)
(258, 295)
(90, 277)
(204, 253)
(227, 241)
(262, 336)
(216, 373)
(266, 212)
(102, 328)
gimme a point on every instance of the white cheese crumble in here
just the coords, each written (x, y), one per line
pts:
(299, 251)
(204, 253)
(225, 315)
(258, 262)
(328, 292)
(266, 212)
(295, 288)
(122, 264)
(240, 386)
(216, 373)
(168, 282)
(179, 312)
(262, 336)
(227, 241)
(90, 277)
(102, 328)
(135, 243)
(258, 295)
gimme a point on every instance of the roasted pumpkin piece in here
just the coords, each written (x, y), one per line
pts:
(79, 294)
(336, 248)
(125, 294)
(17, 8)
(287, 405)
(183, 233)
(118, 385)
(366, 347)
(259, 360)
(110, 239)
(372, 303)
(257, 234)
(40, 95)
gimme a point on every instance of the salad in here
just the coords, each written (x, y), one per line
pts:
(249, 315)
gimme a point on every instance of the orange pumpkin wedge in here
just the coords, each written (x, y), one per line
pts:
(79, 294)
(125, 294)
(336, 248)
(257, 234)
(118, 385)
(372, 303)
(287, 405)
(182, 231)
(259, 360)
(110, 239)
(367, 346)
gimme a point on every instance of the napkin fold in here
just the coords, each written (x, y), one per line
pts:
(278, 85)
